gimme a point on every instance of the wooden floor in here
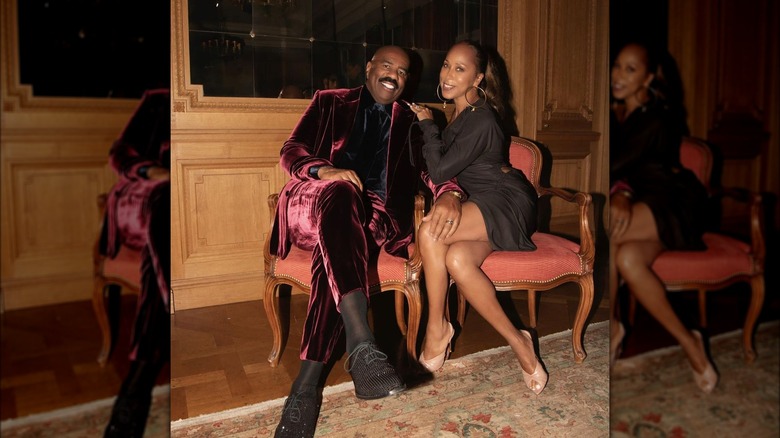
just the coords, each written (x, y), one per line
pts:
(219, 354)
(49, 358)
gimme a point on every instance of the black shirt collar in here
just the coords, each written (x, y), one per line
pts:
(367, 100)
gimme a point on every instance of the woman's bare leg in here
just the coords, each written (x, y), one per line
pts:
(463, 261)
(472, 227)
(636, 251)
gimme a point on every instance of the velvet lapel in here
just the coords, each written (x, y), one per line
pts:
(344, 109)
(399, 129)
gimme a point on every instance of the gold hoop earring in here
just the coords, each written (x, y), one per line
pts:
(466, 96)
(444, 102)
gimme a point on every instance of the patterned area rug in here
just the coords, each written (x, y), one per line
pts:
(654, 395)
(88, 420)
(480, 395)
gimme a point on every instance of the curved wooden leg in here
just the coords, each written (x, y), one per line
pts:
(756, 302)
(532, 308)
(412, 292)
(399, 312)
(101, 313)
(703, 308)
(272, 312)
(586, 302)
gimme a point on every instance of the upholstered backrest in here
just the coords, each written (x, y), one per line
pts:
(696, 156)
(525, 156)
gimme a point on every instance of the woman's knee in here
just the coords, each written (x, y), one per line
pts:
(629, 260)
(457, 259)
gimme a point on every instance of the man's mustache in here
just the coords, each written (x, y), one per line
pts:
(389, 79)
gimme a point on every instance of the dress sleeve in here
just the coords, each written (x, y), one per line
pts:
(654, 138)
(446, 161)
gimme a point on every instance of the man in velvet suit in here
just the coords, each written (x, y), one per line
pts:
(351, 193)
(138, 217)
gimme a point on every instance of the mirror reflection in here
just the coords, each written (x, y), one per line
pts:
(291, 48)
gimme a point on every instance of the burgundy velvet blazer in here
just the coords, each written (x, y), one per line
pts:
(145, 141)
(319, 139)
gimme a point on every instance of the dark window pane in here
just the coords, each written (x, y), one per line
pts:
(220, 16)
(429, 76)
(94, 48)
(282, 64)
(222, 63)
(338, 65)
(281, 18)
(306, 45)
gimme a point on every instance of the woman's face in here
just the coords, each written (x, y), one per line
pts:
(629, 73)
(459, 72)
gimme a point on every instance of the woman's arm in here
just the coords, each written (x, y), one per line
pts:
(447, 161)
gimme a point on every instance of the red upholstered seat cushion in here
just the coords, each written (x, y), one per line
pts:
(297, 266)
(126, 265)
(724, 258)
(554, 257)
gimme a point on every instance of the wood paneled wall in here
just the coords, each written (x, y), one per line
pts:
(727, 53)
(226, 151)
(54, 163)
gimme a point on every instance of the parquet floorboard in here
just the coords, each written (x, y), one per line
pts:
(49, 358)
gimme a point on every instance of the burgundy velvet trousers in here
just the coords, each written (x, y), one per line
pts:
(344, 229)
(143, 218)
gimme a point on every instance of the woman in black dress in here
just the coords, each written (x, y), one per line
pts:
(655, 203)
(498, 212)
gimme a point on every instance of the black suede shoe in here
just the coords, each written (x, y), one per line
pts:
(299, 416)
(372, 374)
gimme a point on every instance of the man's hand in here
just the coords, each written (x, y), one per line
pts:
(444, 216)
(329, 173)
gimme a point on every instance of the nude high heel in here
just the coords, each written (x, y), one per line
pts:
(435, 363)
(707, 379)
(537, 380)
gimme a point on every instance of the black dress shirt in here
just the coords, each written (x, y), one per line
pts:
(366, 151)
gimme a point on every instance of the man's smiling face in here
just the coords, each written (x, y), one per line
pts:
(386, 74)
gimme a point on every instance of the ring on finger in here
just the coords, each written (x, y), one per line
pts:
(449, 221)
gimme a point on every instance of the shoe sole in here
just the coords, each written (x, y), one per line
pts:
(393, 391)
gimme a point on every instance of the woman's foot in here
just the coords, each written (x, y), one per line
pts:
(706, 378)
(535, 380)
(436, 362)
(616, 343)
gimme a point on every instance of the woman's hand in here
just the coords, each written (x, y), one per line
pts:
(423, 112)
(619, 214)
(328, 173)
(444, 216)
